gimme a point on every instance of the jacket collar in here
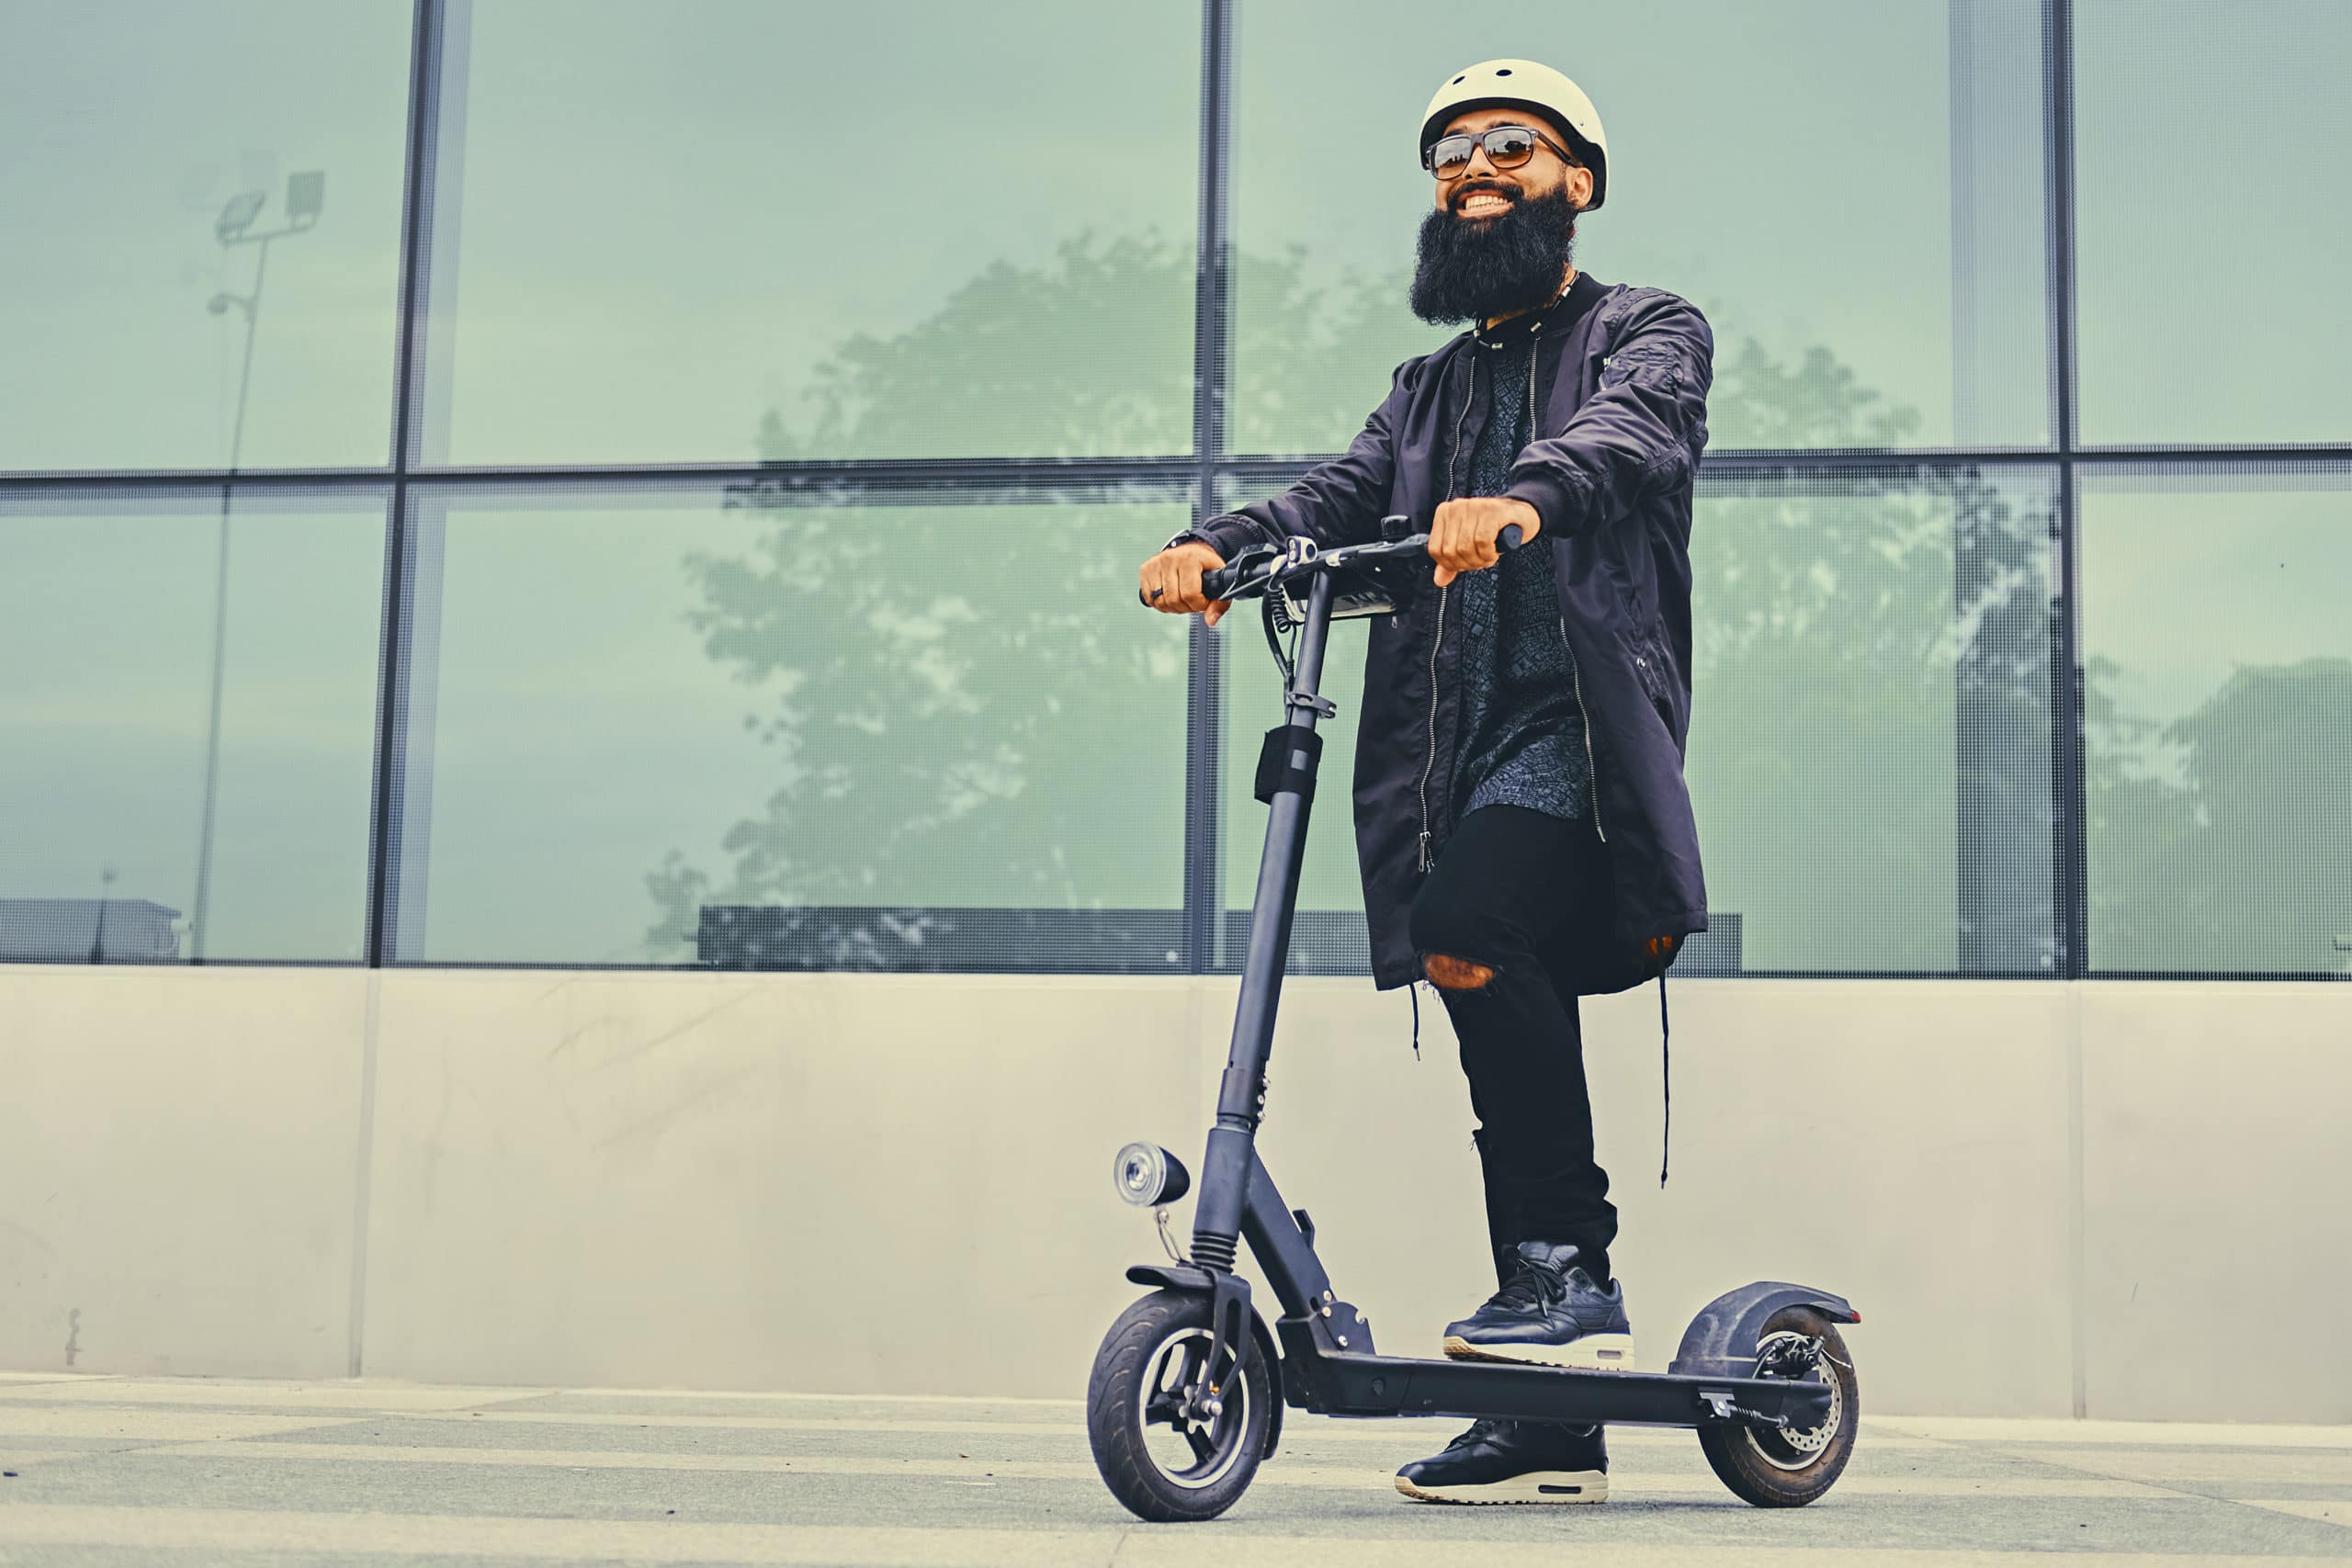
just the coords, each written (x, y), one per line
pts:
(1564, 310)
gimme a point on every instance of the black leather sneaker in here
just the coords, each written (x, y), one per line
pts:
(1513, 1461)
(1551, 1314)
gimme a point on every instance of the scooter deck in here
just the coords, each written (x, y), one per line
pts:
(1338, 1383)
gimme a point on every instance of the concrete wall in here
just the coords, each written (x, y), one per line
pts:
(177, 1152)
(2125, 1200)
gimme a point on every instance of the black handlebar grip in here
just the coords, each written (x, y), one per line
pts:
(1215, 584)
(1508, 540)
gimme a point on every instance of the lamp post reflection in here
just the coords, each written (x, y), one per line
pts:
(305, 197)
(98, 934)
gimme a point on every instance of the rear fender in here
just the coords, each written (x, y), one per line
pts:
(1721, 1341)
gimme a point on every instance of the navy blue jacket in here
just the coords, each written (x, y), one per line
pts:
(1619, 421)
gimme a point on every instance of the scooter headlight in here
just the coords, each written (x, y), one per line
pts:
(1147, 1175)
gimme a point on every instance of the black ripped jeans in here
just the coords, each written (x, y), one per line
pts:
(1511, 890)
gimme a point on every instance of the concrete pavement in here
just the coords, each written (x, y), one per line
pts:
(175, 1472)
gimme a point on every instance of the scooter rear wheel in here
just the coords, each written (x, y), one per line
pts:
(1775, 1469)
(1164, 1462)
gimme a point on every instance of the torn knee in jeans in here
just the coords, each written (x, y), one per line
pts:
(1455, 974)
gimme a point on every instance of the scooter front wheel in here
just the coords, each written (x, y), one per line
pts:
(1163, 1454)
(1774, 1468)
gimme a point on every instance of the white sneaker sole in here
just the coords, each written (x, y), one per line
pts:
(1592, 1353)
(1535, 1486)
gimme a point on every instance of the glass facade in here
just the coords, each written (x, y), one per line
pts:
(1869, 758)
(656, 712)
(1851, 191)
(189, 722)
(2217, 671)
(612, 488)
(2202, 146)
(749, 249)
(204, 211)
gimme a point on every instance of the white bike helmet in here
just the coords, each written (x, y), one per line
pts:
(1523, 83)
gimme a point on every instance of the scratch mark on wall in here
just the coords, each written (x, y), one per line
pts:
(561, 1046)
(669, 1034)
(705, 1091)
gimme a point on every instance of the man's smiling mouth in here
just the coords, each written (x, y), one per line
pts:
(1483, 204)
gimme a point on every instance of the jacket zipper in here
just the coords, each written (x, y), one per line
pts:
(1534, 352)
(1451, 458)
(1434, 644)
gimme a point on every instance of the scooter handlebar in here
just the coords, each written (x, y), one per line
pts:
(1252, 572)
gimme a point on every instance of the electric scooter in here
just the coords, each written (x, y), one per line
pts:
(1187, 1390)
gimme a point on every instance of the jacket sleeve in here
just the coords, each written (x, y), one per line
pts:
(1640, 433)
(1337, 502)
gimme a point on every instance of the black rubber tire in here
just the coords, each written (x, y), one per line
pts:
(1115, 1421)
(1739, 1453)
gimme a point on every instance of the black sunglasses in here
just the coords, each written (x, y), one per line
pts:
(1508, 146)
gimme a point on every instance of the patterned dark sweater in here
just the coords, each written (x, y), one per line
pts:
(1522, 739)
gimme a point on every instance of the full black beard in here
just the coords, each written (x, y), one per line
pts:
(1472, 269)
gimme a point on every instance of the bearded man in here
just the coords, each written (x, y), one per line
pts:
(1523, 826)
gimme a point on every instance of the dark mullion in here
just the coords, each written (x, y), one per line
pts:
(2067, 763)
(1894, 462)
(391, 733)
(2059, 103)
(1282, 467)
(980, 473)
(1203, 892)
(2070, 870)
(2250, 457)
(983, 476)
(1844, 457)
(247, 481)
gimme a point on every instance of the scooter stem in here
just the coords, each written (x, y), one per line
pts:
(1242, 1096)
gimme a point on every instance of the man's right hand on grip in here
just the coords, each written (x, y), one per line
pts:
(1171, 580)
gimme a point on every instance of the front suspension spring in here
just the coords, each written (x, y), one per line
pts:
(1215, 1253)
